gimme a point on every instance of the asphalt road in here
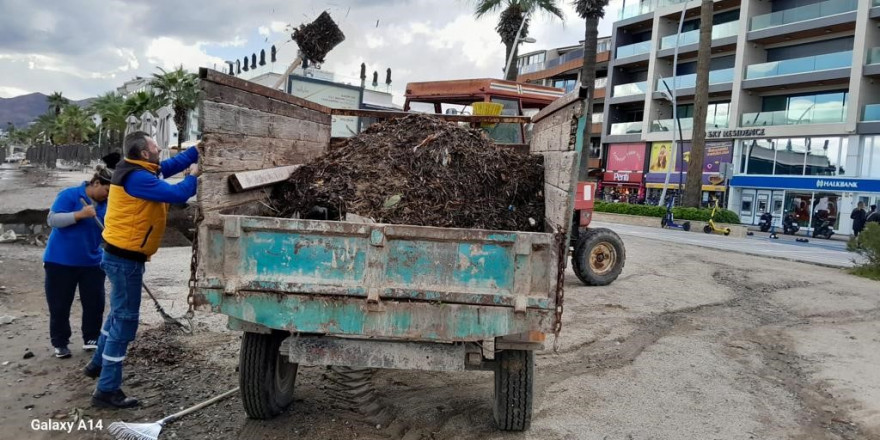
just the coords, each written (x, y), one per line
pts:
(831, 253)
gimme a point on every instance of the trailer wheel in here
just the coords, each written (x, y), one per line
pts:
(514, 378)
(265, 376)
(599, 257)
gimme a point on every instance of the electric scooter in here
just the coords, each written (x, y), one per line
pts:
(668, 220)
(712, 227)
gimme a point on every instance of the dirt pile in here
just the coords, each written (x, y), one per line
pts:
(157, 345)
(423, 171)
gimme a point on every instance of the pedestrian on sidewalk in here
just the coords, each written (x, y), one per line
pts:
(134, 228)
(73, 260)
(873, 215)
(858, 217)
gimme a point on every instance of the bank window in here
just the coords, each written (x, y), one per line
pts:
(871, 157)
(796, 157)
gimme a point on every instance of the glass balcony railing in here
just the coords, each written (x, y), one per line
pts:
(635, 9)
(719, 31)
(627, 128)
(721, 76)
(874, 54)
(530, 68)
(600, 83)
(577, 54)
(810, 115)
(630, 89)
(803, 13)
(632, 50)
(712, 122)
(876, 3)
(872, 112)
(800, 65)
(598, 118)
(671, 2)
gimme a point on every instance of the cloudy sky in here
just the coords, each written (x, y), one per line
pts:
(87, 47)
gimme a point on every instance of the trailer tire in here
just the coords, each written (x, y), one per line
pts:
(266, 378)
(598, 257)
(514, 380)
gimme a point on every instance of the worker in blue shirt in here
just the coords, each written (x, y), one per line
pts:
(73, 259)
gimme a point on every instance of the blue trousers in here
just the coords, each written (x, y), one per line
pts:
(126, 277)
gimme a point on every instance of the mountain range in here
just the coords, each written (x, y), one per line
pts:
(21, 110)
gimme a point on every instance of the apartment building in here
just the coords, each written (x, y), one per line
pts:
(561, 67)
(794, 93)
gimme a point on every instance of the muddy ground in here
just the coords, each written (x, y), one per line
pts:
(705, 345)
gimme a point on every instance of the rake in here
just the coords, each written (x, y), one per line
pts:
(150, 431)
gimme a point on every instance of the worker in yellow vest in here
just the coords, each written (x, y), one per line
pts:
(134, 226)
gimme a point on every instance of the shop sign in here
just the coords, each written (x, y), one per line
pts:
(625, 157)
(807, 183)
(663, 157)
(743, 133)
(623, 177)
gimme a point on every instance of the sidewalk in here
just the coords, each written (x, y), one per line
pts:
(831, 253)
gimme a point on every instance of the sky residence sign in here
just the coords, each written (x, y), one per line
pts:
(729, 134)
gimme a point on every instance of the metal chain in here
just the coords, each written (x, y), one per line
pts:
(561, 238)
(193, 267)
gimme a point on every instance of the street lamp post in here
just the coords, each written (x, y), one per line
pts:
(671, 95)
(516, 43)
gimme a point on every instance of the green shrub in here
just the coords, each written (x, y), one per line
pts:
(868, 246)
(697, 214)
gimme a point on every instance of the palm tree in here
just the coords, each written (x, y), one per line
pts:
(57, 102)
(514, 14)
(140, 102)
(180, 89)
(694, 181)
(111, 107)
(74, 125)
(591, 11)
(44, 128)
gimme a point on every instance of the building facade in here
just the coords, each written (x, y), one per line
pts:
(561, 67)
(794, 102)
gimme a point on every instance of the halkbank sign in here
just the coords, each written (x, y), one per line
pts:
(837, 184)
(807, 183)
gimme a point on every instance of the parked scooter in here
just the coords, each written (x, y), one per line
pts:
(712, 227)
(668, 220)
(789, 225)
(822, 227)
(765, 222)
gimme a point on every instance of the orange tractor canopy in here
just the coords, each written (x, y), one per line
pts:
(458, 96)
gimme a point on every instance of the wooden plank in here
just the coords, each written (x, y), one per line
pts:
(214, 76)
(575, 95)
(224, 118)
(214, 193)
(384, 114)
(230, 152)
(240, 98)
(248, 180)
(557, 211)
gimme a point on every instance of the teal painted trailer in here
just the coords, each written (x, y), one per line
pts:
(360, 294)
